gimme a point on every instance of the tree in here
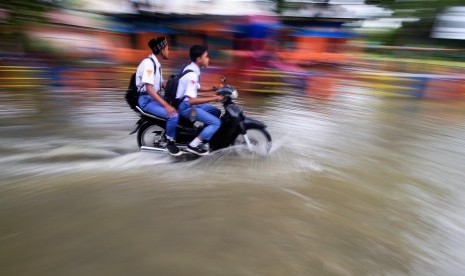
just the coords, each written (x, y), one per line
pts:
(282, 5)
(417, 32)
(19, 15)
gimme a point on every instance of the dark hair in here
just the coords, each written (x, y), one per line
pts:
(156, 45)
(197, 51)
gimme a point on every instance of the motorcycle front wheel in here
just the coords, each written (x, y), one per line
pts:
(151, 135)
(259, 142)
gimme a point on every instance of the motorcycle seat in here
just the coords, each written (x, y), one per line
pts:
(148, 114)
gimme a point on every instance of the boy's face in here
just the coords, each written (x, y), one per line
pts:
(165, 52)
(203, 60)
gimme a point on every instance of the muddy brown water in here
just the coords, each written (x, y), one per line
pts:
(354, 185)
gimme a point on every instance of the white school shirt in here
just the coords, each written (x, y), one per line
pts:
(189, 83)
(145, 74)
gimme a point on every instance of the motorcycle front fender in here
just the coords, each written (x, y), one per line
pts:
(252, 123)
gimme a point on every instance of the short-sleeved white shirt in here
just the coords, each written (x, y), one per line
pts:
(145, 74)
(189, 83)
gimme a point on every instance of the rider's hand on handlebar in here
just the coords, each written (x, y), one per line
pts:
(219, 98)
(215, 88)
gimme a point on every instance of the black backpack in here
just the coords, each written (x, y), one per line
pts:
(132, 94)
(172, 87)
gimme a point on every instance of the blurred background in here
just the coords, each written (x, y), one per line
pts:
(394, 48)
(364, 101)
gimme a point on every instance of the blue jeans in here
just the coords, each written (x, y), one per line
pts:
(153, 107)
(205, 113)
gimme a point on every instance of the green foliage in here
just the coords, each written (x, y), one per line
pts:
(416, 8)
(20, 14)
(280, 6)
(418, 32)
(23, 12)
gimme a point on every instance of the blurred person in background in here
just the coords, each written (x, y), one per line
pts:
(149, 81)
(197, 108)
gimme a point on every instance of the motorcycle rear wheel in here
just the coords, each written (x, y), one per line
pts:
(260, 141)
(151, 135)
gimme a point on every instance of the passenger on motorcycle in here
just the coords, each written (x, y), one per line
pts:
(197, 108)
(149, 82)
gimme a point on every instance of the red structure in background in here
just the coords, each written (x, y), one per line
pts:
(261, 52)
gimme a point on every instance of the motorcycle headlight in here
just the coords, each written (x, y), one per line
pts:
(234, 94)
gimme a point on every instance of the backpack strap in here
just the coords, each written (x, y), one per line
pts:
(185, 72)
(182, 75)
(154, 71)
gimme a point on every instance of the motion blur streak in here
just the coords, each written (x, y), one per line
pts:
(354, 186)
(364, 101)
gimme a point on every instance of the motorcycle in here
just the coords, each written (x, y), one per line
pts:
(237, 130)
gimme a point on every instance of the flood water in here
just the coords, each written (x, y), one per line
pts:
(354, 185)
